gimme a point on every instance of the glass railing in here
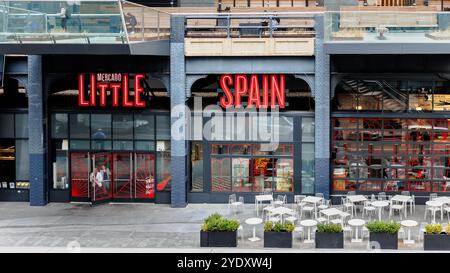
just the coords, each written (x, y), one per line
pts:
(392, 26)
(145, 23)
(69, 22)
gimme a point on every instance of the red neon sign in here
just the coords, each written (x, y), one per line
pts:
(257, 92)
(101, 84)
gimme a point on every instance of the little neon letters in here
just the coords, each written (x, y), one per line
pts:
(117, 84)
(257, 92)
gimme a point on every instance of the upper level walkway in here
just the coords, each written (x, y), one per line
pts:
(122, 27)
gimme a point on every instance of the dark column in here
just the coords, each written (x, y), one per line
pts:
(322, 112)
(177, 103)
(36, 131)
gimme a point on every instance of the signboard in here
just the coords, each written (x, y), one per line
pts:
(94, 91)
(256, 88)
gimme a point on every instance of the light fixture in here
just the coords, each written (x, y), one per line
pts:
(418, 108)
(359, 107)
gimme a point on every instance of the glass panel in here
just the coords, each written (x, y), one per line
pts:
(144, 127)
(220, 149)
(21, 125)
(240, 174)
(420, 100)
(286, 129)
(101, 145)
(162, 127)
(308, 127)
(284, 175)
(7, 126)
(101, 126)
(144, 145)
(220, 174)
(59, 125)
(79, 145)
(163, 173)
(7, 162)
(122, 126)
(145, 175)
(79, 174)
(60, 167)
(79, 126)
(241, 149)
(262, 172)
(197, 167)
(22, 160)
(123, 172)
(122, 145)
(307, 168)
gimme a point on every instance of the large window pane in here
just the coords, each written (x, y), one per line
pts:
(163, 166)
(220, 174)
(196, 167)
(22, 161)
(7, 162)
(21, 125)
(59, 125)
(60, 167)
(123, 126)
(101, 126)
(79, 145)
(307, 168)
(123, 145)
(162, 127)
(79, 125)
(144, 127)
(308, 129)
(7, 125)
(144, 145)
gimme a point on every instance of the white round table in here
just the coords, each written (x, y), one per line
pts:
(380, 205)
(357, 223)
(253, 222)
(435, 204)
(308, 224)
(409, 224)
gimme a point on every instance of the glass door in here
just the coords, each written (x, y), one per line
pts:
(80, 168)
(144, 176)
(100, 178)
(123, 175)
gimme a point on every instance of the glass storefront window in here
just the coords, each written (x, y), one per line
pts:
(122, 126)
(7, 122)
(79, 126)
(21, 125)
(196, 167)
(122, 145)
(144, 127)
(163, 174)
(144, 145)
(79, 144)
(162, 127)
(308, 129)
(60, 167)
(392, 155)
(100, 126)
(7, 163)
(308, 168)
(22, 161)
(60, 125)
(101, 145)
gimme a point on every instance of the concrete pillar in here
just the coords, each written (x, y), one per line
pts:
(177, 103)
(36, 131)
(322, 112)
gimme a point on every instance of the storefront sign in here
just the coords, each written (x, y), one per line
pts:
(113, 83)
(257, 92)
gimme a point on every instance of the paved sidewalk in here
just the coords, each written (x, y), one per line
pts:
(127, 227)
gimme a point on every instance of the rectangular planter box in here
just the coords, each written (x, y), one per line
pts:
(384, 240)
(436, 242)
(218, 239)
(329, 240)
(278, 239)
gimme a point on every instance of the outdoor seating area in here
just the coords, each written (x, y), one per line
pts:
(353, 212)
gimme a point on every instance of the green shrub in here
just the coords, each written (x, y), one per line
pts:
(383, 227)
(278, 227)
(447, 229)
(216, 222)
(329, 228)
(433, 229)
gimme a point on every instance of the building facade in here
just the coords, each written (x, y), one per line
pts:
(117, 102)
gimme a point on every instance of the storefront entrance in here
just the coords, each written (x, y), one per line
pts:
(103, 177)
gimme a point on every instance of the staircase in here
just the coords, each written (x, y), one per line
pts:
(392, 98)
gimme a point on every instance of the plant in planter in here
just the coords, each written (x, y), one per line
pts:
(435, 238)
(217, 231)
(329, 236)
(385, 234)
(278, 235)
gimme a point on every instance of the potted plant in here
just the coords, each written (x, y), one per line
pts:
(217, 231)
(385, 234)
(278, 235)
(329, 236)
(435, 238)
